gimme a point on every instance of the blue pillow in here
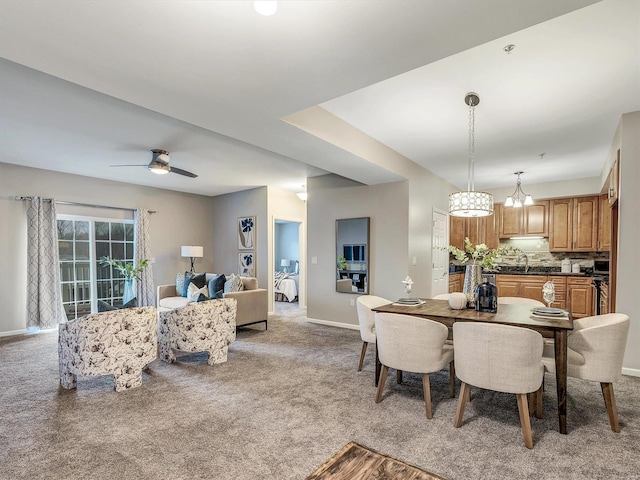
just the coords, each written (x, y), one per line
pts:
(216, 286)
(199, 280)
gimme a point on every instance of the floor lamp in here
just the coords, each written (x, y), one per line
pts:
(192, 252)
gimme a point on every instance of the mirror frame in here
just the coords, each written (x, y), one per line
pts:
(362, 274)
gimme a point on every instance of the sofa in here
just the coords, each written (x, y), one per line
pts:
(119, 343)
(253, 302)
(198, 327)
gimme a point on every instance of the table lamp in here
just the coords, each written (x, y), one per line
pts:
(284, 263)
(192, 252)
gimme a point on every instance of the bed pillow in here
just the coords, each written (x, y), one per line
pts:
(216, 286)
(198, 279)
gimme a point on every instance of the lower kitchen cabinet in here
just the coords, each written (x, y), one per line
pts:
(455, 282)
(580, 296)
(525, 286)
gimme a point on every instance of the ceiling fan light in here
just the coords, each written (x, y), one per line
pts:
(528, 200)
(163, 157)
(159, 169)
(508, 202)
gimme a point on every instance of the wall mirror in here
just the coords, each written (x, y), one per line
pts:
(352, 255)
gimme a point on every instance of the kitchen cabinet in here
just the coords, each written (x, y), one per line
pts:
(604, 224)
(573, 224)
(525, 286)
(456, 281)
(560, 284)
(528, 221)
(479, 230)
(580, 296)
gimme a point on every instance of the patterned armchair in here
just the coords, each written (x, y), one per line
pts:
(204, 326)
(119, 343)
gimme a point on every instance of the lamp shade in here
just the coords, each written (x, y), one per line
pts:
(192, 251)
(285, 263)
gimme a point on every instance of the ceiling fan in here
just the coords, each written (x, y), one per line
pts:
(159, 164)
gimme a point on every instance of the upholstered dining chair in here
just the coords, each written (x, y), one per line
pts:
(413, 344)
(595, 352)
(501, 358)
(520, 301)
(364, 306)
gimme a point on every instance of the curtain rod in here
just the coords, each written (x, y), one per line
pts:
(62, 202)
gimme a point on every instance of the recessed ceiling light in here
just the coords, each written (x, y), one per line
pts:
(509, 48)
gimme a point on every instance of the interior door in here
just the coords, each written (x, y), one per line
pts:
(439, 256)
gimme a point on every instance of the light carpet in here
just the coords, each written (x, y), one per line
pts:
(286, 401)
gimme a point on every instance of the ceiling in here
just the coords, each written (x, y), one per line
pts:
(85, 85)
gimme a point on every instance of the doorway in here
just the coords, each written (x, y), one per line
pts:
(287, 265)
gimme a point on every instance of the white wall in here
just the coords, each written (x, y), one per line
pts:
(182, 219)
(629, 234)
(331, 198)
(226, 209)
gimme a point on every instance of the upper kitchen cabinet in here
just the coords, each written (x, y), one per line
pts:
(604, 225)
(478, 229)
(529, 221)
(573, 224)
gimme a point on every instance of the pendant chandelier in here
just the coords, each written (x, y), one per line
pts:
(471, 203)
(518, 198)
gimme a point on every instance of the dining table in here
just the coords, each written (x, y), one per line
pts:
(515, 315)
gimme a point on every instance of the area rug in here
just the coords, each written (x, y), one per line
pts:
(355, 462)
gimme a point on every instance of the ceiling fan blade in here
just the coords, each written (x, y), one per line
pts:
(179, 171)
(128, 165)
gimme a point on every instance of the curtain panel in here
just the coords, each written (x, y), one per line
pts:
(44, 296)
(145, 291)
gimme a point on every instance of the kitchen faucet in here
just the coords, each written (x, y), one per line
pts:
(526, 261)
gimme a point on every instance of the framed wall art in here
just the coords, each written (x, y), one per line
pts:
(247, 264)
(246, 233)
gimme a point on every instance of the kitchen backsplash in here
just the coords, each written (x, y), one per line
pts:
(538, 254)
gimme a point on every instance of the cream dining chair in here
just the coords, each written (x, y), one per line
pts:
(595, 352)
(520, 301)
(501, 358)
(364, 306)
(413, 344)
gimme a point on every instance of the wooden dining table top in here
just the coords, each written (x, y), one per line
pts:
(516, 315)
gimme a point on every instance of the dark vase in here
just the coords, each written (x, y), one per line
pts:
(487, 298)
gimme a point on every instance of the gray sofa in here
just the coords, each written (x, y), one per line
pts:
(253, 303)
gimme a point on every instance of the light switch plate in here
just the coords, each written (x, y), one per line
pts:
(314, 260)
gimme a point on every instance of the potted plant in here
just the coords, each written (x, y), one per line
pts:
(129, 271)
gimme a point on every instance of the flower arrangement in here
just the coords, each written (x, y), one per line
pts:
(128, 270)
(480, 254)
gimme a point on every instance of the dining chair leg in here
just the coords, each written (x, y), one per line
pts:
(463, 398)
(381, 382)
(539, 402)
(399, 376)
(452, 380)
(362, 353)
(426, 386)
(523, 409)
(532, 403)
(610, 402)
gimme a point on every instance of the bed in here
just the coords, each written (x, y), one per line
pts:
(285, 287)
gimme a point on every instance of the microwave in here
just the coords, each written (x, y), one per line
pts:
(601, 267)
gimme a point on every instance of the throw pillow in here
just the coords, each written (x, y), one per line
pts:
(198, 279)
(193, 292)
(180, 284)
(249, 283)
(203, 298)
(216, 286)
(233, 284)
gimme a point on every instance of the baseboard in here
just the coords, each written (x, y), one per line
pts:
(11, 333)
(349, 326)
(632, 372)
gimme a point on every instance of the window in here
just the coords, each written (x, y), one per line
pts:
(82, 242)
